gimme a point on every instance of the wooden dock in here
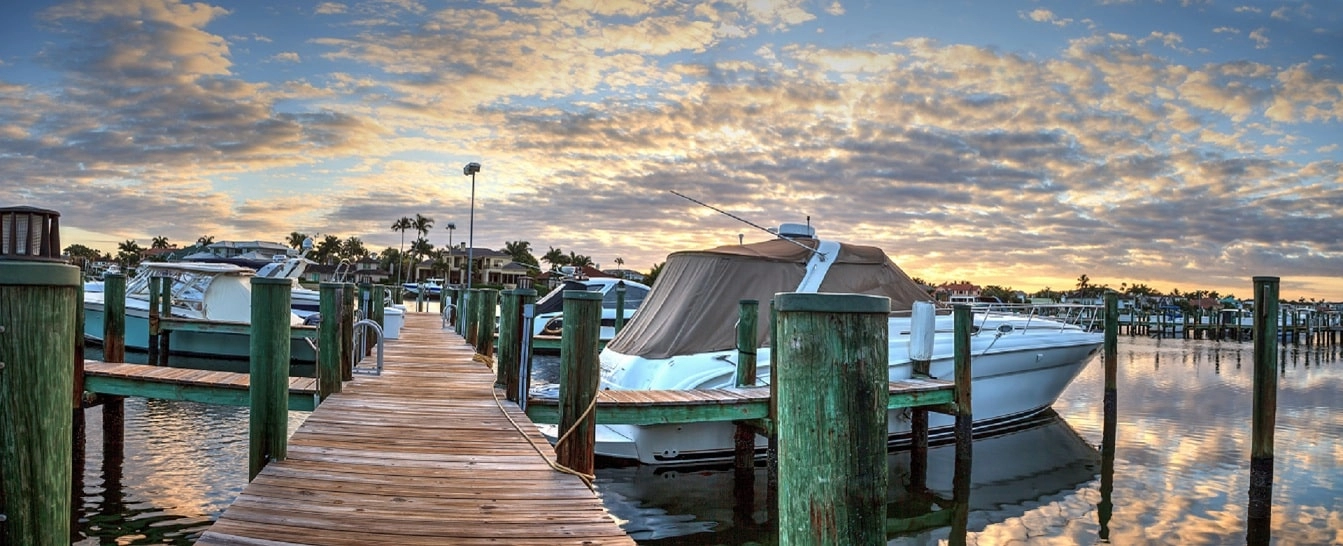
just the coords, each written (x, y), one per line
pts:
(167, 383)
(423, 454)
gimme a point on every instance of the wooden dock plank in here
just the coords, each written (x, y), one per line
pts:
(422, 454)
(168, 383)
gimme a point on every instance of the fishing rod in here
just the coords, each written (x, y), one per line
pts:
(749, 223)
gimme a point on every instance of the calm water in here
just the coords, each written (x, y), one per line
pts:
(1181, 469)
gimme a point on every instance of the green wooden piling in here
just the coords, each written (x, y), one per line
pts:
(329, 334)
(269, 423)
(579, 374)
(1110, 421)
(831, 390)
(620, 306)
(1265, 396)
(523, 363)
(114, 350)
(489, 300)
(964, 416)
(165, 312)
(37, 342)
(744, 438)
(469, 316)
(347, 356)
(77, 393)
(377, 304)
(459, 301)
(1111, 340)
(510, 343)
(114, 317)
(154, 328)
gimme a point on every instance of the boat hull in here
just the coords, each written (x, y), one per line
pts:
(1013, 379)
(207, 344)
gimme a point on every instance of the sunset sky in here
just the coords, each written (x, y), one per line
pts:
(1181, 144)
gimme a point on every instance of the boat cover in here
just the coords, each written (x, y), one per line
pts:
(693, 307)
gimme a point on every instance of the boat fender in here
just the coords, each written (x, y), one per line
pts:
(923, 324)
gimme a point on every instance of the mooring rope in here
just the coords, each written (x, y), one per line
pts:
(585, 477)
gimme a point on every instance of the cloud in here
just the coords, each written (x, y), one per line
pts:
(1226, 30)
(1041, 15)
(286, 57)
(1260, 37)
(330, 8)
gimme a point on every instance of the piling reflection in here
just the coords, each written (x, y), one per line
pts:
(669, 505)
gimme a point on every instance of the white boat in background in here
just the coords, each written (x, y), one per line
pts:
(216, 292)
(548, 325)
(431, 287)
(685, 336)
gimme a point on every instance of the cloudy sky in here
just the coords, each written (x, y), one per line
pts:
(1181, 144)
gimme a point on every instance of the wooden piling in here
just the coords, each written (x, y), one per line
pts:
(165, 307)
(154, 328)
(469, 316)
(114, 350)
(579, 375)
(509, 346)
(744, 437)
(377, 304)
(964, 320)
(1109, 431)
(489, 300)
(831, 389)
(1265, 396)
(329, 335)
(620, 306)
(37, 341)
(269, 423)
(347, 356)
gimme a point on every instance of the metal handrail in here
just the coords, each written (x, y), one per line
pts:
(360, 334)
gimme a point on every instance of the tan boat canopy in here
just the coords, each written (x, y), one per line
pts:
(693, 307)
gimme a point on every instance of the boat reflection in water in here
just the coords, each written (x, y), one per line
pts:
(1014, 471)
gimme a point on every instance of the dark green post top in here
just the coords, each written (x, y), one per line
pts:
(581, 295)
(787, 302)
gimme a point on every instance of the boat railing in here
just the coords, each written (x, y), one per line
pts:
(1052, 316)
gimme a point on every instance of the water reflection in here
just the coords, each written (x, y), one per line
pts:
(678, 505)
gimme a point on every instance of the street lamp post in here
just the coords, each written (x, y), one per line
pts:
(452, 262)
(471, 169)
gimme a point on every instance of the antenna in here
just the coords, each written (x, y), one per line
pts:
(748, 222)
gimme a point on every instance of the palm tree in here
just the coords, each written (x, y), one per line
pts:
(421, 224)
(205, 240)
(326, 250)
(1083, 283)
(128, 252)
(579, 260)
(353, 249)
(419, 248)
(401, 225)
(620, 266)
(159, 242)
(296, 239)
(556, 258)
(521, 252)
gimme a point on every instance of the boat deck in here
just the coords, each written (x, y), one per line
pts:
(423, 454)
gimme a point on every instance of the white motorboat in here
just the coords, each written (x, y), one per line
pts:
(549, 322)
(685, 335)
(216, 292)
(430, 287)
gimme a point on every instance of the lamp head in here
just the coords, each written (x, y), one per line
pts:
(452, 225)
(471, 168)
(30, 234)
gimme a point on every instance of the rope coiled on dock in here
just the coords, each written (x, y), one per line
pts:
(585, 477)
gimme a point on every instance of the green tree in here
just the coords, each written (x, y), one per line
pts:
(421, 224)
(159, 242)
(296, 239)
(579, 260)
(128, 253)
(1083, 283)
(420, 249)
(205, 240)
(326, 251)
(653, 273)
(556, 258)
(353, 249)
(403, 225)
(1005, 295)
(521, 252)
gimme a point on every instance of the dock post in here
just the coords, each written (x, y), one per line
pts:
(377, 301)
(489, 299)
(579, 375)
(1265, 397)
(268, 429)
(347, 357)
(37, 342)
(365, 312)
(506, 364)
(620, 306)
(744, 439)
(1109, 429)
(329, 334)
(964, 320)
(114, 350)
(469, 315)
(832, 391)
(922, 328)
(459, 302)
(772, 444)
(165, 312)
(153, 344)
